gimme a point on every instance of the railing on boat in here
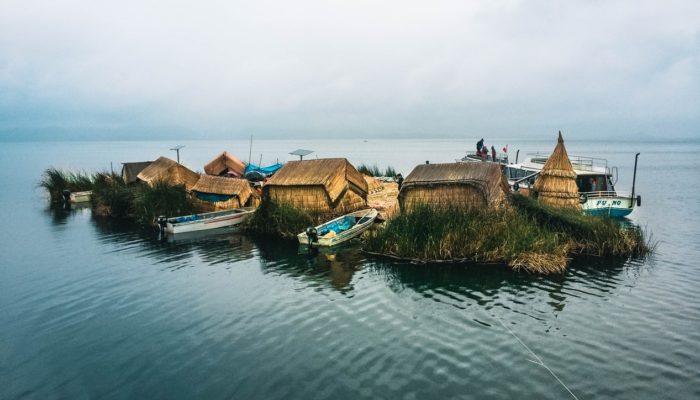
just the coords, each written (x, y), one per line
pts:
(582, 163)
(474, 156)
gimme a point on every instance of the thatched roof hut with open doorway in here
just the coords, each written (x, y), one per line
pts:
(131, 170)
(167, 170)
(461, 185)
(330, 185)
(221, 193)
(225, 164)
(556, 183)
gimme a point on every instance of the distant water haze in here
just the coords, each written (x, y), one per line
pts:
(129, 70)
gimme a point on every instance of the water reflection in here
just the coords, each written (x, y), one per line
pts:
(461, 285)
(179, 251)
(331, 267)
(60, 214)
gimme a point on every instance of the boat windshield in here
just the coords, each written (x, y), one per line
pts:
(594, 183)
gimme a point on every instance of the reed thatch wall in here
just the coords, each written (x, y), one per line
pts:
(224, 163)
(323, 185)
(443, 195)
(556, 184)
(455, 185)
(167, 170)
(315, 199)
(217, 185)
(131, 170)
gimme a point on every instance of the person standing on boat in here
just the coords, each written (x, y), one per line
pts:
(493, 153)
(479, 146)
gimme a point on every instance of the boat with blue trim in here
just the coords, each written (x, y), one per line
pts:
(594, 178)
(338, 230)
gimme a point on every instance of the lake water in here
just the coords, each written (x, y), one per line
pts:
(92, 308)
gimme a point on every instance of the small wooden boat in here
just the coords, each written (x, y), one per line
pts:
(338, 230)
(206, 221)
(80, 197)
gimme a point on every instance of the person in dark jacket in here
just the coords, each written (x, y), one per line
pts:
(479, 146)
(399, 180)
(493, 153)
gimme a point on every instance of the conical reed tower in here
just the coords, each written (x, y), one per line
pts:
(556, 184)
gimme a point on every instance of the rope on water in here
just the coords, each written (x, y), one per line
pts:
(537, 360)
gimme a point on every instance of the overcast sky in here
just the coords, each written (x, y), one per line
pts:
(305, 68)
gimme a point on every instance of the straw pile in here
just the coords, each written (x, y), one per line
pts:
(222, 193)
(461, 185)
(225, 163)
(384, 199)
(322, 186)
(168, 171)
(556, 184)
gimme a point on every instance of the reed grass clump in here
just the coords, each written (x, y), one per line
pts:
(161, 198)
(375, 171)
(111, 196)
(430, 234)
(55, 181)
(598, 236)
(279, 219)
(528, 236)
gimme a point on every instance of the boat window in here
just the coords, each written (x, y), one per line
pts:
(581, 183)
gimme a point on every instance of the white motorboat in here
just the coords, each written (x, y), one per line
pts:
(594, 178)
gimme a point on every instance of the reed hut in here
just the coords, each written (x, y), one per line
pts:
(556, 183)
(167, 170)
(131, 170)
(220, 193)
(225, 164)
(330, 185)
(461, 185)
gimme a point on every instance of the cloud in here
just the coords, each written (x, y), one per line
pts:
(134, 69)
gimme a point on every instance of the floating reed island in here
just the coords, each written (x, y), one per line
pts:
(459, 212)
(146, 190)
(452, 212)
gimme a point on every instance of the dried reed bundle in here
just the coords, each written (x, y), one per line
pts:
(556, 183)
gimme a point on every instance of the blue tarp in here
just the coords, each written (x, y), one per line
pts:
(211, 197)
(269, 170)
(338, 226)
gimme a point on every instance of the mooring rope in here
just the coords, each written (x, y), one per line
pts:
(537, 360)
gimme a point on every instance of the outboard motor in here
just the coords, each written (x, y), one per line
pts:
(312, 234)
(66, 199)
(162, 222)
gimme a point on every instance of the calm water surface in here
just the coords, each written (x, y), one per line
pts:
(91, 308)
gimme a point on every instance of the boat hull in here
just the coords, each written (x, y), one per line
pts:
(614, 206)
(80, 197)
(203, 222)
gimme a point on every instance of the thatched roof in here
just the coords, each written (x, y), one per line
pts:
(224, 186)
(130, 170)
(486, 177)
(556, 183)
(165, 169)
(335, 175)
(225, 162)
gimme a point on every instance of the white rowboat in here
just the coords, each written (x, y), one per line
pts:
(338, 230)
(80, 197)
(201, 222)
